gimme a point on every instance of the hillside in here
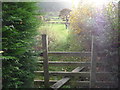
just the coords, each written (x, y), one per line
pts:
(53, 6)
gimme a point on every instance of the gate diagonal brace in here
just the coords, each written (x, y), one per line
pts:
(64, 80)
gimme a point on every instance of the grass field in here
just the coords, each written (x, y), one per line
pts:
(60, 31)
(58, 36)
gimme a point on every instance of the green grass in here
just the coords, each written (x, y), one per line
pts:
(58, 36)
(60, 31)
(58, 41)
(57, 21)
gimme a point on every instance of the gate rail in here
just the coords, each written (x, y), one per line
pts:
(76, 72)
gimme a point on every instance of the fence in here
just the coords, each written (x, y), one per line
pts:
(92, 83)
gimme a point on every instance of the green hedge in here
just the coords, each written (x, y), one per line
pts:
(18, 31)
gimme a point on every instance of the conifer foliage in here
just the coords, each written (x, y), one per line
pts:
(18, 31)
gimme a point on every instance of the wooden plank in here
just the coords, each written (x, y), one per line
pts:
(64, 73)
(82, 54)
(76, 77)
(93, 63)
(68, 83)
(54, 81)
(45, 62)
(58, 63)
(42, 81)
(61, 82)
(83, 82)
(69, 62)
(73, 73)
(78, 69)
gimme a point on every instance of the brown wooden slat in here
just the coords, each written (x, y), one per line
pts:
(45, 56)
(69, 62)
(42, 81)
(70, 53)
(83, 82)
(54, 81)
(61, 82)
(56, 63)
(79, 82)
(78, 69)
(64, 73)
(61, 63)
(93, 63)
(76, 73)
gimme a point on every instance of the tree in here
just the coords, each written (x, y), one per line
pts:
(102, 22)
(88, 19)
(81, 25)
(64, 15)
(18, 32)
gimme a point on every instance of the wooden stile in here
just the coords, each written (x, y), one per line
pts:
(61, 82)
(63, 63)
(77, 54)
(93, 83)
(93, 64)
(45, 62)
(62, 73)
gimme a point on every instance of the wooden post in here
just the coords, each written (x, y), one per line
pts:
(93, 64)
(45, 62)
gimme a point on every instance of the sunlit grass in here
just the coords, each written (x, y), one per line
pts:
(60, 31)
(57, 36)
(56, 20)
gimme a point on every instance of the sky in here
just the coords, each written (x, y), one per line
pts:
(75, 0)
(54, 0)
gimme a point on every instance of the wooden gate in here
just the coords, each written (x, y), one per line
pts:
(92, 83)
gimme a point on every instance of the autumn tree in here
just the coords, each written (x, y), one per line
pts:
(88, 19)
(81, 24)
